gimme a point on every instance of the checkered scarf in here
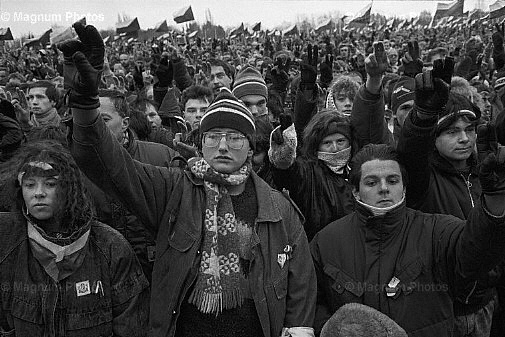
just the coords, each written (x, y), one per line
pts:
(218, 282)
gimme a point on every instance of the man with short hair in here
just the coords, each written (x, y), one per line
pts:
(42, 100)
(232, 257)
(221, 75)
(195, 100)
(407, 264)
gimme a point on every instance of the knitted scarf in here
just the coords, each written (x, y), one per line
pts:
(49, 118)
(336, 161)
(217, 285)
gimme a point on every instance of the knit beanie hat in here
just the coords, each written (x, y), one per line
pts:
(343, 127)
(358, 320)
(249, 82)
(500, 80)
(457, 106)
(403, 91)
(226, 111)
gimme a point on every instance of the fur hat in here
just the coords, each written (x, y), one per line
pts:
(249, 82)
(358, 320)
(403, 91)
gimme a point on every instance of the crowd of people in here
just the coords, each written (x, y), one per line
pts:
(323, 184)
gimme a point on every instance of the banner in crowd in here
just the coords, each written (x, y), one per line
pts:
(161, 27)
(497, 9)
(184, 15)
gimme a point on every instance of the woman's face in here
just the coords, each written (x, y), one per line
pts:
(40, 196)
(334, 143)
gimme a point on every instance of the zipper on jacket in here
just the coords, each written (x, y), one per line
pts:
(471, 292)
(468, 185)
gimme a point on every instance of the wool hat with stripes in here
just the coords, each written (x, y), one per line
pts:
(249, 82)
(226, 111)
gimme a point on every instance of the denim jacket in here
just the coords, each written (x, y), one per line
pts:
(172, 202)
(107, 296)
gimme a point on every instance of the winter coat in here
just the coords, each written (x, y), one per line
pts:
(172, 202)
(107, 295)
(429, 255)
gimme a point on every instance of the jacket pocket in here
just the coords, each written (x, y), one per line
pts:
(409, 275)
(97, 322)
(343, 282)
(28, 312)
(281, 287)
(181, 240)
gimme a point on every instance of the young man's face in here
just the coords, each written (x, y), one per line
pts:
(457, 143)
(116, 124)
(194, 109)
(221, 156)
(39, 102)
(256, 104)
(403, 110)
(152, 116)
(343, 102)
(219, 79)
(381, 183)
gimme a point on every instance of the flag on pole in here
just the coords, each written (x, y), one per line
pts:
(257, 27)
(326, 24)
(497, 9)
(184, 15)
(363, 16)
(454, 9)
(292, 30)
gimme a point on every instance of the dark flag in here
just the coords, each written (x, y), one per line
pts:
(363, 16)
(184, 15)
(257, 27)
(161, 27)
(497, 9)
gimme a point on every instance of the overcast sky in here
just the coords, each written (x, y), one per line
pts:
(36, 16)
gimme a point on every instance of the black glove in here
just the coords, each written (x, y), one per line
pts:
(492, 173)
(432, 87)
(377, 62)
(486, 141)
(165, 73)
(498, 49)
(285, 121)
(326, 69)
(279, 75)
(137, 77)
(83, 66)
(309, 68)
(412, 64)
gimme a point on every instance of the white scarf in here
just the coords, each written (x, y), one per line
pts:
(380, 211)
(336, 161)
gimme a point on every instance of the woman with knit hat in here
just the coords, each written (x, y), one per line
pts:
(231, 256)
(62, 272)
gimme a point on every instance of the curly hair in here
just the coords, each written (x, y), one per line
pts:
(347, 85)
(76, 208)
(318, 128)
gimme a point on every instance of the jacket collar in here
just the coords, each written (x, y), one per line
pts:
(442, 164)
(383, 225)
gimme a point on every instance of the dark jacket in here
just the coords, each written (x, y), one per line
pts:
(172, 203)
(432, 255)
(112, 212)
(11, 137)
(32, 304)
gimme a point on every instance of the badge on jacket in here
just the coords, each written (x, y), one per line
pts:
(82, 288)
(392, 287)
(285, 256)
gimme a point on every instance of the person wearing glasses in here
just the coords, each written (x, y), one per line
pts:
(232, 257)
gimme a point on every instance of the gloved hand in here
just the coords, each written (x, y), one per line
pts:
(498, 49)
(492, 173)
(309, 68)
(165, 73)
(138, 78)
(83, 66)
(285, 120)
(412, 64)
(377, 62)
(279, 75)
(486, 141)
(326, 69)
(432, 87)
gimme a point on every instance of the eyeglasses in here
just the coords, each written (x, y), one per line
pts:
(233, 140)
